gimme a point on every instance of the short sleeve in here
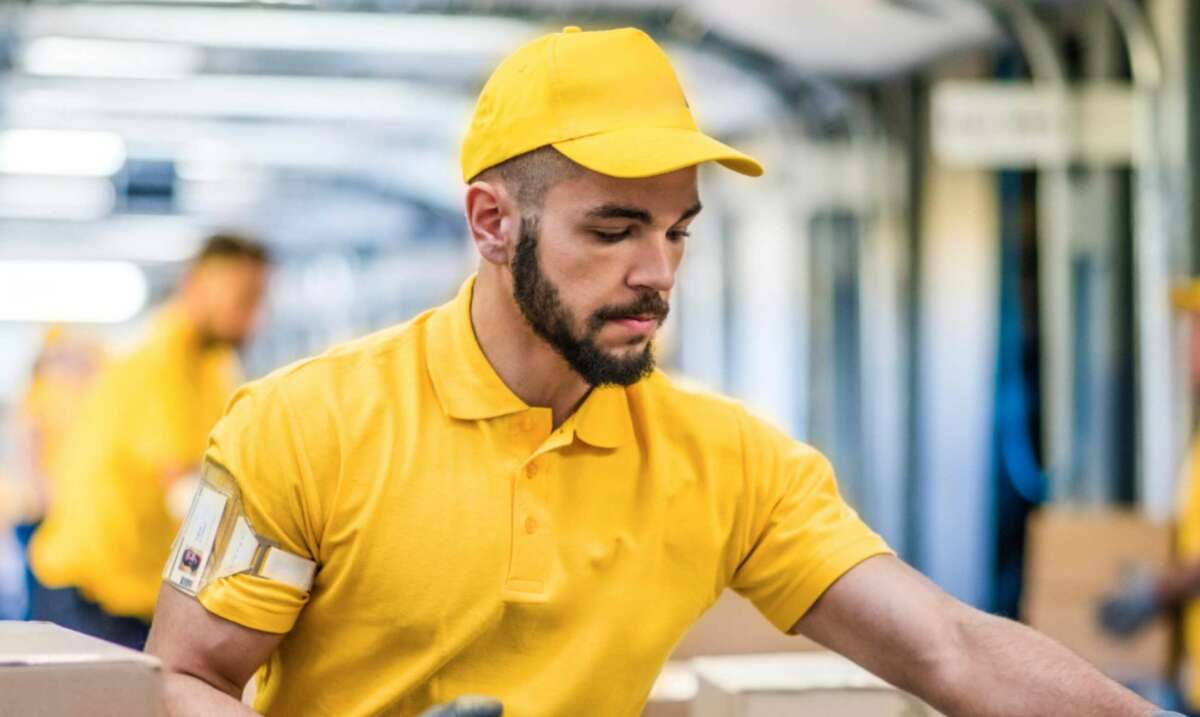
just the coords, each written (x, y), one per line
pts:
(803, 535)
(258, 443)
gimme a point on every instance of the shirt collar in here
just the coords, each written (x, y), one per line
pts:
(468, 388)
(465, 382)
(603, 420)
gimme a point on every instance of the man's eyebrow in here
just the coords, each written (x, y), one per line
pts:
(620, 211)
(691, 212)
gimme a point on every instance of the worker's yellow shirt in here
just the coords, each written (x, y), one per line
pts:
(466, 547)
(1188, 549)
(108, 530)
(48, 410)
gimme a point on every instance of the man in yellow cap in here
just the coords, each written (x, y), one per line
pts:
(502, 497)
(140, 432)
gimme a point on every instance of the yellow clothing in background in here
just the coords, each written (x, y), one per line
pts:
(1188, 547)
(49, 407)
(47, 411)
(466, 546)
(109, 530)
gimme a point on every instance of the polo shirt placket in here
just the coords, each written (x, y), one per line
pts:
(532, 533)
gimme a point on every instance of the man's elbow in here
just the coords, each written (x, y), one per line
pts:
(182, 671)
(186, 695)
(941, 672)
(184, 676)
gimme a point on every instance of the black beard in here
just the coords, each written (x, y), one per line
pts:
(543, 310)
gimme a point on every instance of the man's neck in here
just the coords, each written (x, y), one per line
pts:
(529, 366)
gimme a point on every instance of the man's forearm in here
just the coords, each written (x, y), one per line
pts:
(188, 696)
(1008, 669)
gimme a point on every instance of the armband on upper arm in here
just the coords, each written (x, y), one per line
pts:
(217, 540)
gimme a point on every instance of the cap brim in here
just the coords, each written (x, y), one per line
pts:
(650, 151)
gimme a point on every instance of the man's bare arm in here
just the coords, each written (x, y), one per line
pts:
(896, 623)
(207, 659)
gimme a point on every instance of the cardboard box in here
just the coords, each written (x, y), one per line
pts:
(673, 691)
(733, 626)
(49, 671)
(1087, 550)
(809, 683)
(1074, 559)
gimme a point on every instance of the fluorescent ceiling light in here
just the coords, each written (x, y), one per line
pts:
(301, 30)
(71, 291)
(60, 152)
(63, 198)
(393, 104)
(139, 238)
(107, 58)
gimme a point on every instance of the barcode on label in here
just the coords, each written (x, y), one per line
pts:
(186, 582)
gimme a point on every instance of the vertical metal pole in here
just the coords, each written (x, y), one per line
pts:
(1156, 406)
(1054, 202)
(884, 433)
(918, 152)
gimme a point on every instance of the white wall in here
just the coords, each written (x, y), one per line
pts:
(958, 295)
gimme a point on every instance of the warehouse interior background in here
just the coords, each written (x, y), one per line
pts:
(954, 279)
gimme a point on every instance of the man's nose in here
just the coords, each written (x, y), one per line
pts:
(657, 262)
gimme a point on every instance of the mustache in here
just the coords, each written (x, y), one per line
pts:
(648, 304)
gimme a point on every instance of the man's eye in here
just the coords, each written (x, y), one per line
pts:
(678, 235)
(611, 237)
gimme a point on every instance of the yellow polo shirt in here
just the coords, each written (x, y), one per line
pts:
(466, 547)
(108, 530)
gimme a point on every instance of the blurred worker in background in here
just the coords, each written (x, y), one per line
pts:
(1144, 597)
(61, 373)
(139, 438)
(503, 496)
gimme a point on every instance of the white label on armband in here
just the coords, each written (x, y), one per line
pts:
(198, 537)
(282, 566)
(240, 552)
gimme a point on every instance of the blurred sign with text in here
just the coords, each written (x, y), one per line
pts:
(1018, 125)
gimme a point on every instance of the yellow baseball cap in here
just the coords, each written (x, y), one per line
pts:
(1185, 295)
(608, 100)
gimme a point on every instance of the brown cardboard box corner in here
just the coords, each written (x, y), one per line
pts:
(49, 671)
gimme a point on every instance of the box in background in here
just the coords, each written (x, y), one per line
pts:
(673, 691)
(50, 671)
(733, 626)
(1074, 558)
(809, 683)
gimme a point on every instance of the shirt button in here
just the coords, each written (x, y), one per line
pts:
(531, 470)
(530, 525)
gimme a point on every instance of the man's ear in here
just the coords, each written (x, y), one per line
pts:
(493, 219)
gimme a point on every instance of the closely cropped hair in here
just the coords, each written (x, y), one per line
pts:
(226, 245)
(529, 176)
